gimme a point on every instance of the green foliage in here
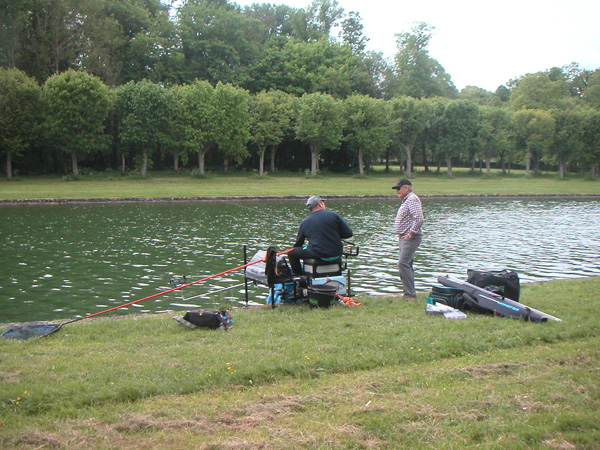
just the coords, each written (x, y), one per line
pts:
(319, 124)
(352, 33)
(145, 114)
(270, 120)
(567, 143)
(193, 121)
(481, 96)
(458, 127)
(276, 20)
(539, 91)
(591, 93)
(271, 117)
(591, 139)
(417, 74)
(320, 66)
(231, 121)
(50, 36)
(407, 122)
(326, 14)
(76, 106)
(218, 42)
(366, 132)
(495, 133)
(434, 125)
(260, 47)
(534, 131)
(20, 114)
(129, 41)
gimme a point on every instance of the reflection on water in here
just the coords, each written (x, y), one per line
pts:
(64, 261)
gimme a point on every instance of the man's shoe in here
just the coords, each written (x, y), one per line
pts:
(409, 297)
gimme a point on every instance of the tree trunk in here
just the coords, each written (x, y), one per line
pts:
(9, 165)
(314, 159)
(408, 161)
(528, 163)
(387, 161)
(561, 169)
(201, 154)
(401, 156)
(144, 170)
(488, 168)
(261, 162)
(123, 163)
(361, 165)
(449, 165)
(273, 150)
(175, 162)
(424, 156)
(74, 163)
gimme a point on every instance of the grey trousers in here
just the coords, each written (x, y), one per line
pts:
(405, 264)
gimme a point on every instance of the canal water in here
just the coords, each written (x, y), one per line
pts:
(66, 261)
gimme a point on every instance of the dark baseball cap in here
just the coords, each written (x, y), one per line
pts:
(402, 182)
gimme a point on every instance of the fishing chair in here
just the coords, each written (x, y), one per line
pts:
(269, 269)
(317, 268)
(273, 271)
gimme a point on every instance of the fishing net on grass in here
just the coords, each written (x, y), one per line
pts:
(30, 330)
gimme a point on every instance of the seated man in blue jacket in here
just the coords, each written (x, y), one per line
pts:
(324, 231)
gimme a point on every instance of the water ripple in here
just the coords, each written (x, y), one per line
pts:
(63, 261)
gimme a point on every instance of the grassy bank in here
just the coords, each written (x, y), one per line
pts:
(380, 376)
(111, 185)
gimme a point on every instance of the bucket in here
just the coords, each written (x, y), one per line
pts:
(321, 295)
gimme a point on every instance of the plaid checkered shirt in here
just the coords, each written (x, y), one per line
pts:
(410, 216)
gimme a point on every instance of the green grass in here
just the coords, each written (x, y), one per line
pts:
(159, 184)
(381, 376)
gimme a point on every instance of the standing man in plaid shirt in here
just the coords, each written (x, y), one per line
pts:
(409, 227)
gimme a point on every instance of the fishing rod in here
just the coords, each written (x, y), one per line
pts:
(39, 330)
(213, 292)
(177, 288)
(257, 210)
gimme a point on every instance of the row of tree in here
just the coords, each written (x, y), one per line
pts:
(321, 48)
(260, 47)
(119, 82)
(77, 115)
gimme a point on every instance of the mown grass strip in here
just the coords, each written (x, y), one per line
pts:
(166, 185)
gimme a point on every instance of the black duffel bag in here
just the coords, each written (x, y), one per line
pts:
(503, 282)
(209, 319)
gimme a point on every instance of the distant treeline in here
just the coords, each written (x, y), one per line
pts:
(137, 84)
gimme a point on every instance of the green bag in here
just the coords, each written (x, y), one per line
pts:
(448, 296)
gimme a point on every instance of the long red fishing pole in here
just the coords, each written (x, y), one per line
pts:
(38, 330)
(178, 287)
